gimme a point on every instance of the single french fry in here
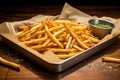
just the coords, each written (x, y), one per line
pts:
(72, 43)
(110, 59)
(33, 29)
(78, 48)
(62, 39)
(23, 28)
(90, 44)
(9, 64)
(66, 22)
(36, 47)
(51, 45)
(19, 33)
(68, 35)
(68, 43)
(45, 44)
(59, 32)
(61, 50)
(79, 27)
(65, 56)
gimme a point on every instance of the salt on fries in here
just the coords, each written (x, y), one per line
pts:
(63, 37)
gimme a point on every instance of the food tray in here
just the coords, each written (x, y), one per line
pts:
(9, 38)
(7, 32)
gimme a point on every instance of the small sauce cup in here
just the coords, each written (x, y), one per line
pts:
(100, 28)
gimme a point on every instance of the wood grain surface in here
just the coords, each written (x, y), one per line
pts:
(90, 69)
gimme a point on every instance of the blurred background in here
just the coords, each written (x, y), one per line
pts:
(12, 10)
(59, 2)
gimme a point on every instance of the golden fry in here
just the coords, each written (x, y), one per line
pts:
(61, 50)
(51, 44)
(18, 34)
(36, 47)
(95, 40)
(53, 37)
(51, 29)
(33, 29)
(23, 28)
(81, 44)
(66, 22)
(69, 41)
(45, 44)
(34, 41)
(78, 48)
(64, 56)
(111, 59)
(55, 34)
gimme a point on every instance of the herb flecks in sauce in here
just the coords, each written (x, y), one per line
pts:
(103, 25)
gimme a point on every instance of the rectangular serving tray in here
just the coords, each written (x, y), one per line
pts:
(7, 34)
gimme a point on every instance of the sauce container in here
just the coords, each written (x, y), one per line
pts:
(100, 28)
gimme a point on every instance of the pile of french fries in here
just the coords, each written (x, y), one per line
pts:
(65, 38)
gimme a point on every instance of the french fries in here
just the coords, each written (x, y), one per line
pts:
(76, 37)
(63, 37)
(9, 64)
(110, 59)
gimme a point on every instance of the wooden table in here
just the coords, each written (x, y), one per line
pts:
(90, 69)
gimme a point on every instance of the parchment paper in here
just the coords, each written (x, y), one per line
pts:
(69, 12)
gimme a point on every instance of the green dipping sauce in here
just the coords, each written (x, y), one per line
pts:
(103, 25)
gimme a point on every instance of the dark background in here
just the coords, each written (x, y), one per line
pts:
(59, 2)
(13, 10)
